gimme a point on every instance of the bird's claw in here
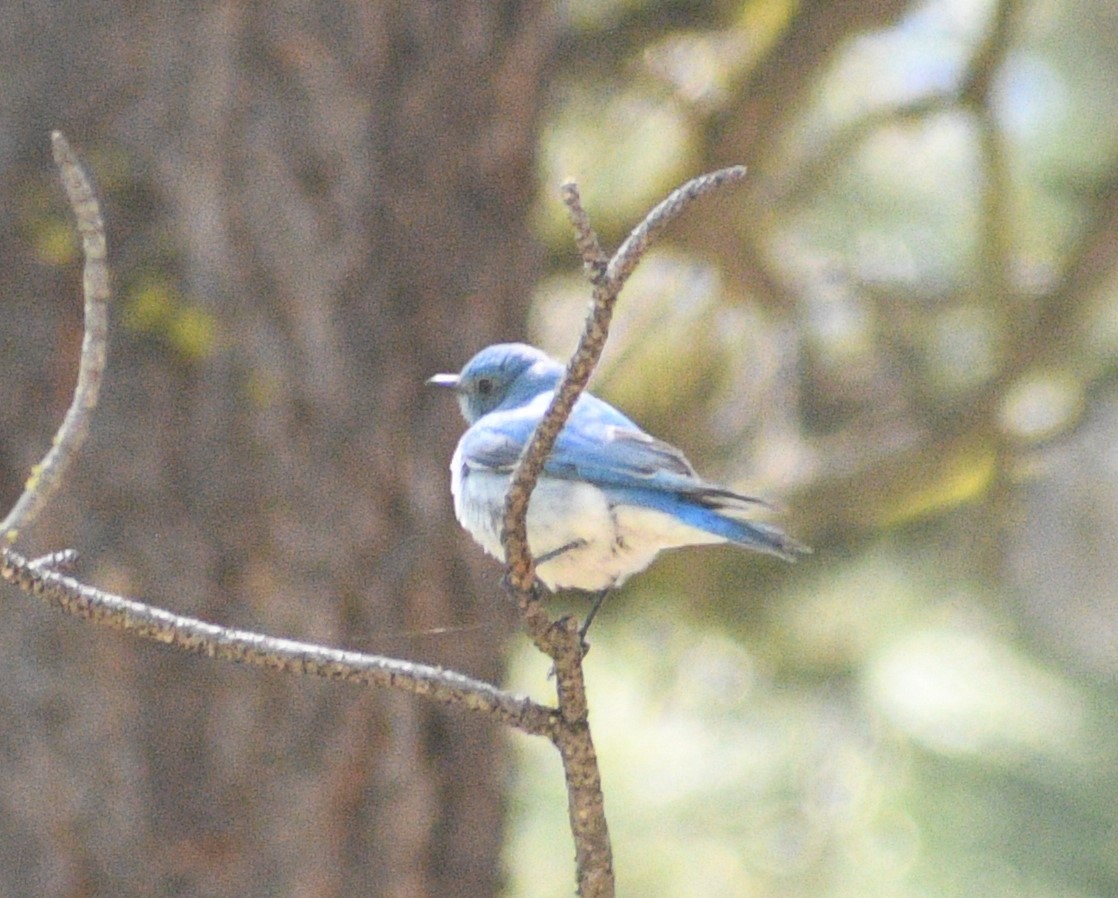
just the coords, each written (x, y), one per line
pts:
(536, 592)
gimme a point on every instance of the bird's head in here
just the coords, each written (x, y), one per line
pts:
(502, 376)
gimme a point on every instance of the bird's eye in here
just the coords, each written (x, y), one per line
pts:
(484, 386)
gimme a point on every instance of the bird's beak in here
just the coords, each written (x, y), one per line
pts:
(444, 380)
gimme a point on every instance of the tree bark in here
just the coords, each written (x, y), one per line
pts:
(313, 208)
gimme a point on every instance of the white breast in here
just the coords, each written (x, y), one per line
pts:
(607, 543)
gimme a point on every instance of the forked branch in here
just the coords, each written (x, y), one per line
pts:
(561, 639)
(566, 725)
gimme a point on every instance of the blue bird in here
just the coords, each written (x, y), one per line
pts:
(610, 498)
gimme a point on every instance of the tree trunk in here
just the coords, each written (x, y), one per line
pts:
(311, 208)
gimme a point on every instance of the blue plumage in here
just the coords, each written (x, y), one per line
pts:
(611, 497)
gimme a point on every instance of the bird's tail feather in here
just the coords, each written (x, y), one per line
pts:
(717, 511)
(722, 499)
(727, 519)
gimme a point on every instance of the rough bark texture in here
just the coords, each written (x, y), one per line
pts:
(334, 197)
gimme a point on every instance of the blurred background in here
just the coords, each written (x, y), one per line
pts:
(902, 328)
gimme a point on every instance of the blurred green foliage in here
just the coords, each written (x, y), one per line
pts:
(152, 307)
(903, 327)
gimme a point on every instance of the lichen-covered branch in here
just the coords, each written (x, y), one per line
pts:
(39, 578)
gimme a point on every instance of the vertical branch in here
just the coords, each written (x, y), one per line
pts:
(560, 640)
(47, 474)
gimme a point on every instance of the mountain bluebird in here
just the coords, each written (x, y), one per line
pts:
(610, 498)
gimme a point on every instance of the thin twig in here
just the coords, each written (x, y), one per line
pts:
(594, 258)
(244, 647)
(640, 238)
(47, 474)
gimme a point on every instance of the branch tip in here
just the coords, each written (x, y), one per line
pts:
(46, 476)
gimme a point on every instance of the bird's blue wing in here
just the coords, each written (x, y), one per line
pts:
(598, 445)
(494, 446)
(602, 447)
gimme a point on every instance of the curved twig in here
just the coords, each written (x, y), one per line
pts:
(47, 474)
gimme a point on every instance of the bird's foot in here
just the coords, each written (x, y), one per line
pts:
(537, 591)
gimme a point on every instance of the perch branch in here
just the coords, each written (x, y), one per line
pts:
(567, 727)
(561, 640)
(607, 287)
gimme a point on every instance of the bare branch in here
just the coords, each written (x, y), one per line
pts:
(44, 576)
(640, 238)
(561, 640)
(567, 727)
(47, 475)
(244, 647)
